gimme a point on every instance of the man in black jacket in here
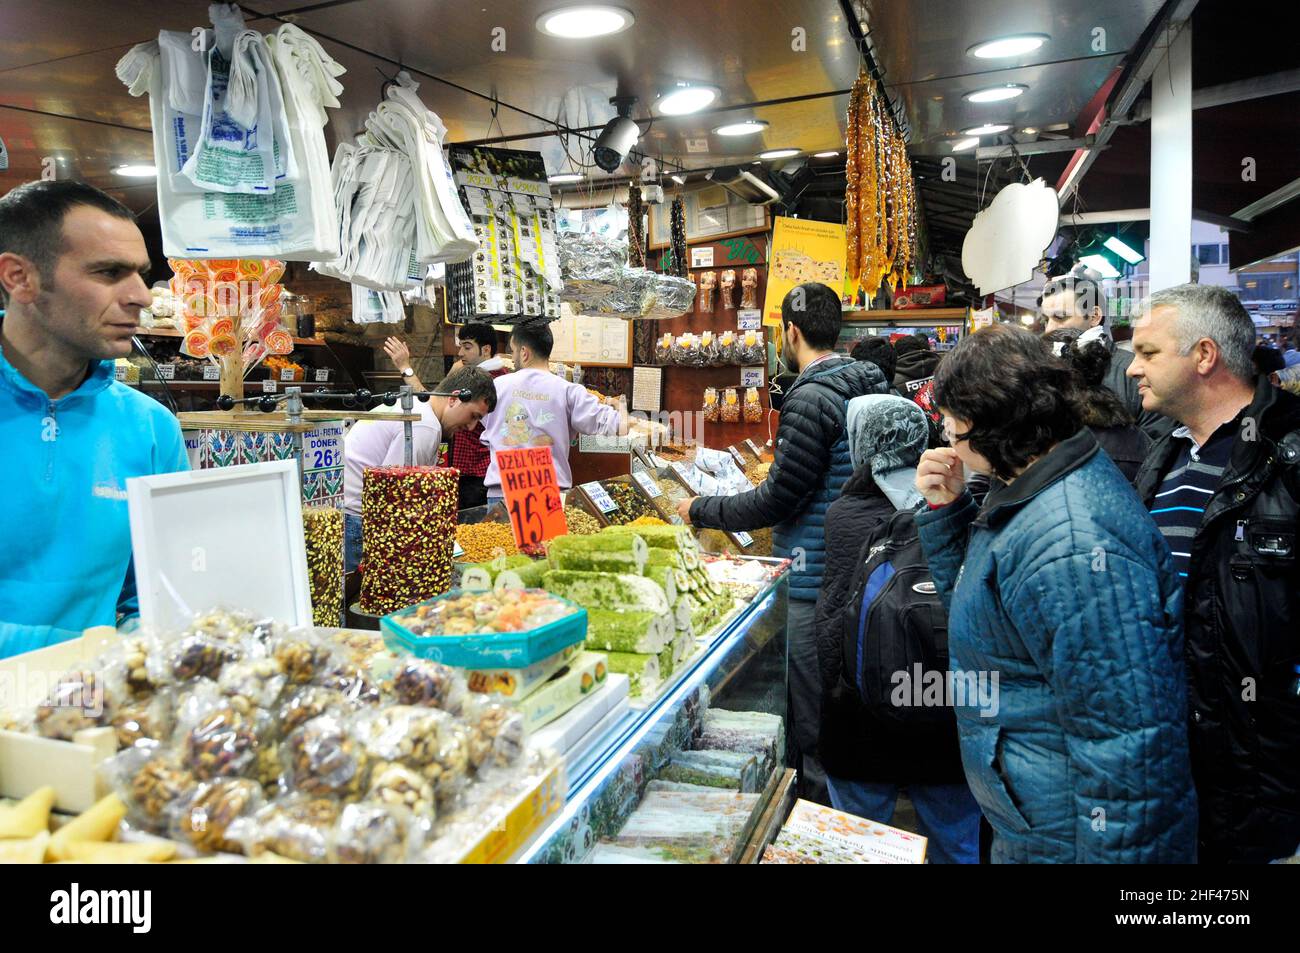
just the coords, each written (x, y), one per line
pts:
(810, 467)
(1077, 300)
(1225, 490)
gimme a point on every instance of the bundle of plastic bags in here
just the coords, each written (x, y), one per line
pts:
(597, 280)
(398, 210)
(238, 122)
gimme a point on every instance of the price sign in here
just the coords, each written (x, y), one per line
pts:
(457, 550)
(119, 372)
(268, 387)
(211, 373)
(735, 455)
(532, 494)
(286, 374)
(751, 377)
(702, 257)
(684, 472)
(648, 484)
(322, 375)
(167, 372)
(602, 501)
(743, 539)
(749, 319)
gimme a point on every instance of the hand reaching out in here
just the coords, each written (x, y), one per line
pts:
(398, 353)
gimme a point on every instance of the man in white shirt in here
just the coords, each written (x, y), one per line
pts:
(464, 398)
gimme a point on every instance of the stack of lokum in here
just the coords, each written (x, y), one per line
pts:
(815, 834)
(751, 732)
(685, 826)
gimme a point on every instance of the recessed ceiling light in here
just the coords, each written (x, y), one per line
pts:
(995, 94)
(778, 153)
(585, 21)
(1057, 127)
(686, 99)
(961, 145)
(741, 128)
(988, 129)
(563, 177)
(1006, 46)
(137, 171)
(1029, 131)
(825, 155)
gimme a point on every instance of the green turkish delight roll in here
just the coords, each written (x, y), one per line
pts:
(735, 770)
(598, 590)
(667, 579)
(603, 552)
(666, 663)
(642, 632)
(642, 671)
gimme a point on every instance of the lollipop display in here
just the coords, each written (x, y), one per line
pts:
(231, 314)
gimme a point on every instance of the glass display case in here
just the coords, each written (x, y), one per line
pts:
(698, 772)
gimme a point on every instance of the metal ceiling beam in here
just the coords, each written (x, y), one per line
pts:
(1229, 222)
(1175, 14)
(1239, 91)
(1269, 202)
(1035, 148)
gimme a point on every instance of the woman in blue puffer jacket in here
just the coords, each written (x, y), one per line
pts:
(1062, 598)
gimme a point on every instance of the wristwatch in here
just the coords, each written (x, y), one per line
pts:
(408, 372)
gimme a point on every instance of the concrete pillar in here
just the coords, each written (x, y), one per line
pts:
(1171, 165)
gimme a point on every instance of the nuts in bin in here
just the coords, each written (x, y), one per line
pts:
(485, 541)
(580, 522)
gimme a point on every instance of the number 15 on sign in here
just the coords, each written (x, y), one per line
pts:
(532, 494)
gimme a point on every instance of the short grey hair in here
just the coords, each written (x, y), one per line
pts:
(1209, 311)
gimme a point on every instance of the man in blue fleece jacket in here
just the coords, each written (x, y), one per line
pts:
(72, 283)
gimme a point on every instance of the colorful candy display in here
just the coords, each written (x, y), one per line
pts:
(408, 515)
(231, 307)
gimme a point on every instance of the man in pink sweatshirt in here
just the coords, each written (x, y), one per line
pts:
(536, 408)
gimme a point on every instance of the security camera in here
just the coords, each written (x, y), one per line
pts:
(618, 137)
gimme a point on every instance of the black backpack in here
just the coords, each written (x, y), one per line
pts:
(894, 621)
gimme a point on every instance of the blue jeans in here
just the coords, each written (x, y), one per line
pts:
(351, 542)
(949, 814)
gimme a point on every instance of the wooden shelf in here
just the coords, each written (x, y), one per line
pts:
(911, 316)
(169, 333)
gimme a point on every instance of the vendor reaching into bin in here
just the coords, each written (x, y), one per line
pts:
(811, 466)
(536, 408)
(73, 266)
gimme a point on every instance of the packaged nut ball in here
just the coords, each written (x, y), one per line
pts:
(269, 770)
(302, 657)
(730, 407)
(206, 819)
(360, 647)
(193, 656)
(753, 408)
(711, 405)
(423, 739)
(395, 784)
(297, 827)
(77, 701)
(133, 657)
(216, 741)
(496, 734)
(146, 717)
(369, 833)
(151, 782)
(252, 683)
(300, 705)
(322, 759)
(421, 682)
(353, 683)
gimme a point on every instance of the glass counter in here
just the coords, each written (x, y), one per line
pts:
(698, 774)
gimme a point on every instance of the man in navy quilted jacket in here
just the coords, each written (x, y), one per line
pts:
(812, 463)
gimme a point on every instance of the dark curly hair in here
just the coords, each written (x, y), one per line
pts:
(879, 352)
(1099, 406)
(1019, 399)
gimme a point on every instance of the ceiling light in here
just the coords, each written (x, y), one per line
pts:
(1058, 127)
(778, 153)
(1101, 265)
(137, 171)
(741, 128)
(679, 179)
(1029, 131)
(1129, 254)
(562, 178)
(1007, 46)
(988, 129)
(825, 155)
(995, 94)
(686, 99)
(961, 145)
(585, 21)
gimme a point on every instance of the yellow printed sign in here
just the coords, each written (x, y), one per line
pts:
(802, 251)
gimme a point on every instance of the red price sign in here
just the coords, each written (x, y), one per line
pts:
(532, 494)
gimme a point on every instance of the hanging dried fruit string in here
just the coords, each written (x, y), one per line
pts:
(679, 265)
(635, 228)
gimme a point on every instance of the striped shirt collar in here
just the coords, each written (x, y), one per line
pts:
(1225, 429)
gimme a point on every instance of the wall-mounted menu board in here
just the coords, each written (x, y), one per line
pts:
(710, 212)
(591, 341)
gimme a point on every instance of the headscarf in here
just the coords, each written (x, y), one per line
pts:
(888, 434)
